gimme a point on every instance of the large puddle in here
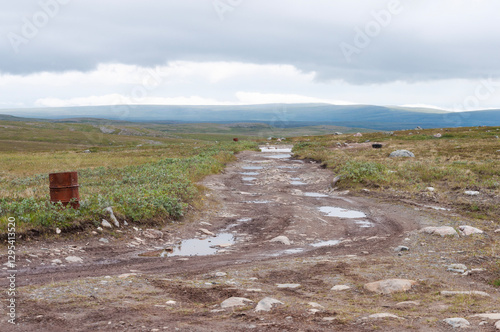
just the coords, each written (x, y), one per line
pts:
(297, 183)
(332, 211)
(200, 247)
(280, 156)
(274, 149)
(325, 243)
(248, 178)
(315, 195)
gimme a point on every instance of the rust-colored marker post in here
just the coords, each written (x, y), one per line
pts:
(235, 139)
(64, 188)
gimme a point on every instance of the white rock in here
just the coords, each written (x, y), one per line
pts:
(390, 286)
(56, 261)
(126, 275)
(112, 216)
(220, 274)
(407, 304)
(497, 325)
(73, 259)
(281, 239)
(468, 230)
(492, 316)
(58, 231)
(266, 304)
(288, 286)
(125, 223)
(457, 322)
(451, 293)
(204, 223)
(382, 315)
(206, 231)
(152, 234)
(443, 230)
(472, 193)
(497, 230)
(431, 189)
(103, 240)
(171, 302)
(235, 302)
(401, 153)
(106, 224)
(340, 287)
(316, 305)
(99, 229)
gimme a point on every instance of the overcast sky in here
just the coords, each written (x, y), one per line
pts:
(443, 53)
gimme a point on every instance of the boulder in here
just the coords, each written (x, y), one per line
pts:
(401, 153)
(390, 286)
(281, 239)
(235, 302)
(457, 322)
(469, 230)
(266, 304)
(443, 230)
(340, 287)
(73, 259)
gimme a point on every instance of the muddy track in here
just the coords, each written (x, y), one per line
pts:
(259, 197)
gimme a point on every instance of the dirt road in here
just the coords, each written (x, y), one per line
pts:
(267, 221)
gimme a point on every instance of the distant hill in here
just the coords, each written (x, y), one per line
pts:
(277, 115)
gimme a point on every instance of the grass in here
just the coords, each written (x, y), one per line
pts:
(144, 183)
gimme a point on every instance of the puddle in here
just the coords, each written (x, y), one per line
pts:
(286, 167)
(200, 247)
(325, 243)
(249, 173)
(258, 202)
(295, 179)
(280, 156)
(293, 251)
(364, 223)
(341, 213)
(297, 182)
(273, 149)
(315, 195)
(244, 219)
(252, 167)
(248, 178)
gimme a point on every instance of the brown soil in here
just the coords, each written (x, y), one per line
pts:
(123, 285)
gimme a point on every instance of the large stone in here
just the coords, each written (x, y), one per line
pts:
(266, 304)
(73, 259)
(443, 231)
(281, 239)
(112, 216)
(206, 232)
(106, 224)
(340, 288)
(390, 286)
(235, 302)
(497, 325)
(457, 322)
(401, 153)
(469, 230)
(292, 286)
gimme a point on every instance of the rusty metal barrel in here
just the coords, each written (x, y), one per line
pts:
(235, 139)
(64, 188)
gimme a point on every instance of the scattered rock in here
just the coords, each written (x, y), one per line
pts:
(56, 261)
(401, 153)
(431, 189)
(288, 286)
(281, 239)
(438, 135)
(235, 302)
(390, 286)
(401, 248)
(468, 230)
(407, 304)
(266, 304)
(153, 233)
(87, 151)
(126, 275)
(492, 316)
(329, 319)
(73, 259)
(478, 293)
(106, 224)
(472, 193)
(382, 315)
(340, 287)
(457, 322)
(204, 223)
(220, 274)
(112, 216)
(497, 230)
(458, 268)
(316, 305)
(171, 302)
(206, 231)
(58, 231)
(125, 223)
(103, 240)
(358, 135)
(497, 325)
(99, 229)
(443, 230)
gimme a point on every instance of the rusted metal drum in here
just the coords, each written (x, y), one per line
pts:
(235, 139)
(64, 188)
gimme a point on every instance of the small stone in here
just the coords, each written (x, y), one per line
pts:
(316, 305)
(171, 302)
(402, 153)
(340, 287)
(472, 193)
(390, 286)
(457, 322)
(266, 304)
(478, 293)
(407, 304)
(497, 230)
(99, 229)
(497, 325)
(220, 274)
(281, 239)
(382, 315)
(431, 189)
(206, 232)
(58, 231)
(125, 223)
(112, 216)
(126, 275)
(106, 224)
(73, 259)
(329, 319)
(103, 240)
(469, 230)
(292, 286)
(204, 223)
(459, 268)
(438, 135)
(401, 248)
(56, 261)
(152, 234)
(235, 302)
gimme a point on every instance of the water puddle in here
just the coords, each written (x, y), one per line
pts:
(293, 251)
(315, 195)
(332, 211)
(297, 183)
(280, 156)
(258, 202)
(249, 173)
(244, 219)
(252, 167)
(325, 243)
(364, 223)
(286, 167)
(274, 149)
(248, 178)
(199, 247)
